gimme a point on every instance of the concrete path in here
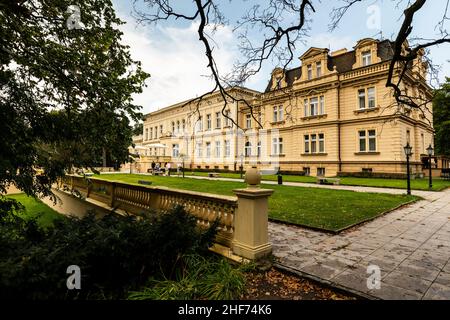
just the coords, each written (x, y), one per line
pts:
(411, 246)
(420, 193)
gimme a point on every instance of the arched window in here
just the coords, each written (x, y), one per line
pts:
(173, 127)
(248, 149)
(178, 126)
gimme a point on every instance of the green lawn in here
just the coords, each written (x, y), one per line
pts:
(416, 184)
(35, 207)
(320, 208)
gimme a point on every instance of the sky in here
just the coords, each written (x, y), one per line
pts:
(171, 52)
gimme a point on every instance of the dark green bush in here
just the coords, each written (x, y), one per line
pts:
(115, 254)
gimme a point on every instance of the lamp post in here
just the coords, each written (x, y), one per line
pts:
(242, 164)
(430, 153)
(408, 153)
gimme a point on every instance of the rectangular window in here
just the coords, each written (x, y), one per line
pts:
(321, 143)
(362, 141)
(227, 118)
(362, 98)
(371, 97)
(313, 106)
(161, 129)
(217, 149)
(318, 69)
(208, 122)
(146, 134)
(156, 132)
(258, 149)
(372, 140)
(306, 143)
(280, 113)
(408, 136)
(366, 58)
(227, 148)
(175, 150)
(306, 104)
(200, 123)
(321, 105)
(151, 133)
(320, 172)
(313, 143)
(208, 149)
(199, 149)
(218, 120)
(277, 146)
(275, 114)
(307, 171)
(248, 121)
(309, 69)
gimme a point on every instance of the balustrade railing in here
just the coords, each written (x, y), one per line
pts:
(138, 199)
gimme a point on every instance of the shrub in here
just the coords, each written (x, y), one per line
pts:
(210, 278)
(115, 253)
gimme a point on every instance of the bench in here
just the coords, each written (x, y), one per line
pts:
(146, 182)
(213, 174)
(323, 180)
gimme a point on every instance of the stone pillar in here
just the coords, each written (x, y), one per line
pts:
(251, 238)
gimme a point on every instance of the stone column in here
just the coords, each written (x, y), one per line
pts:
(251, 239)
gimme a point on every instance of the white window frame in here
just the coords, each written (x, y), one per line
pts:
(306, 143)
(362, 99)
(277, 146)
(321, 142)
(227, 146)
(208, 121)
(208, 149)
(366, 58)
(248, 149)
(309, 71)
(217, 150)
(175, 150)
(321, 105)
(248, 121)
(314, 106)
(218, 120)
(318, 69)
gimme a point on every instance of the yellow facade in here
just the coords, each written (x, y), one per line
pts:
(332, 114)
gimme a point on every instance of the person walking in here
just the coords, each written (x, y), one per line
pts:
(153, 167)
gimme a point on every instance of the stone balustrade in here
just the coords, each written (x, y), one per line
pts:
(242, 220)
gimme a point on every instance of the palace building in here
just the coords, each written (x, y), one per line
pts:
(332, 114)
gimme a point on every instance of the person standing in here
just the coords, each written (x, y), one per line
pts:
(153, 167)
(168, 168)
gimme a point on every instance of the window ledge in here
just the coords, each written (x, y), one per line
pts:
(319, 116)
(366, 110)
(277, 122)
(314, 154)
(366, 153)
(278, 155)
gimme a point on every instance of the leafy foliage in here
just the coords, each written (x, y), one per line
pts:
(115, 254)
(200, 278)
(65, 94)
(441, 119)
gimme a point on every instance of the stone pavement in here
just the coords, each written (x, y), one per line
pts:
(410, 245)
(420, 193)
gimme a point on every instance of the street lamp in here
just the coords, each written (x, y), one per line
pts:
(430, 153)
(242, 164)
(408, 153)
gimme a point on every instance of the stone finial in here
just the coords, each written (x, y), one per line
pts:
(253, 177)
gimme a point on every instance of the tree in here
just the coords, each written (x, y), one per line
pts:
(66, 83)
(441, 119)
(279, 36)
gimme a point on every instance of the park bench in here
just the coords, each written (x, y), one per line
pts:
(213, 174)
(324, 180)
(445, 173)
(146, 182)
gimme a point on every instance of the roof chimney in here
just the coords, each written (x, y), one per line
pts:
(338, 52)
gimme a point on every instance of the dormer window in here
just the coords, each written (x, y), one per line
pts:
(309, 71)
(366, 58)
(318, 69)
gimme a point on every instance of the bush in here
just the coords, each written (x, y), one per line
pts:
(115, 254)
(201, 278)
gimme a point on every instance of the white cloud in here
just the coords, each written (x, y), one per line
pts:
(176, 61)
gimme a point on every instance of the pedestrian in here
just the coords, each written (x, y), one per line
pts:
(153, 167)
(168, 168)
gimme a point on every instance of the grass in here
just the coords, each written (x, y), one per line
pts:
(36, 208)
(326, 209)
(416, 184)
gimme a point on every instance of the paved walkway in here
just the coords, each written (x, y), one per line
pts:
(411, 246)
(424, 194)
